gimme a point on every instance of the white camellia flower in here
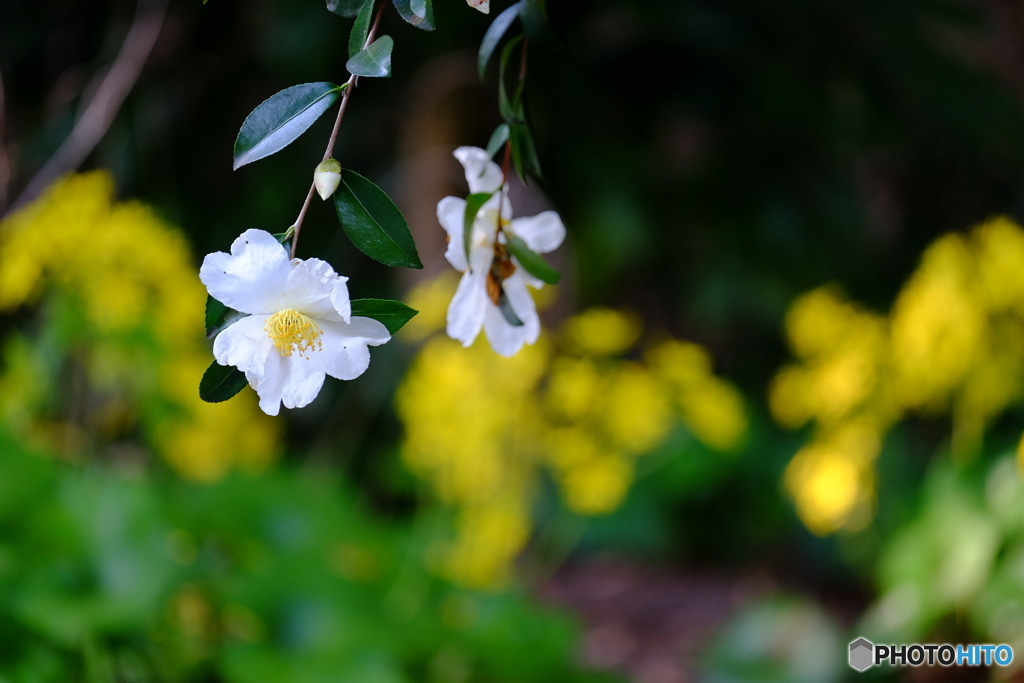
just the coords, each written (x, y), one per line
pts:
(494, 277)
(298, 325)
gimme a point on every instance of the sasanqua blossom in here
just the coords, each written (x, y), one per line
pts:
(297, 327)
(493, 278)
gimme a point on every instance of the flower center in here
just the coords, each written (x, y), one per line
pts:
(292, 331)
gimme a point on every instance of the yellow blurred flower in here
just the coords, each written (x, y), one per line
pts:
(123, 300)
(483, 430)
(952, 344)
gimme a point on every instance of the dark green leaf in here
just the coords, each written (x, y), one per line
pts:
(373, 222)
(498, 138)
(274, 124)
(346, 8)
(473, 204)
(532, 262)
(495, 32)
(216, 313)
(218, 317)
(419, 13)
(511, 108)
(524, 153)
(221, 382)
(360, 29)
(374, 61)
(535, 22)
(505, 306)
(394, 314)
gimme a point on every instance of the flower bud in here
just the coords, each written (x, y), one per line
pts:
(482, 5)
(327, 177)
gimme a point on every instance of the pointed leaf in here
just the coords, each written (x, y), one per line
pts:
(419, 13)
(360, 29)
(473, 204)
(394, 314)
(373, 61)
(373, 222)
(505, 306)
(495, 32)
(346, 8)
(282, 118)
(535, 22)
(511, 108)
(524, 153)
(498, 138)
(219, 317)
(221, 382)
(532, 262)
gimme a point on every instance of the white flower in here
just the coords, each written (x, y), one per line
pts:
(494, 276)
(298, 326)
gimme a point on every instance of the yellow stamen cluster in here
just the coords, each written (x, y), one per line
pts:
(292, 331)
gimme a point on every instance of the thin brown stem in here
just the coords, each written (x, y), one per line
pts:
(349, 86)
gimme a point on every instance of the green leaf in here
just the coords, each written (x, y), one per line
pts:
(473, 204)
(221, 382)
(373, 222)
(495, 32)
(394, 314)
(218, 317)
(498, 138)
(216, 313)
(535, 22)
(532, 262)
(505, 306)
(419, 13)
(282, 118)
(524, 153)
(346, 8)
(373, 61)
(511, 108)
(360, 29)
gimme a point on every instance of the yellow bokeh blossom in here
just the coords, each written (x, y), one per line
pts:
(952, 344)
(484, 430)
(121, 305)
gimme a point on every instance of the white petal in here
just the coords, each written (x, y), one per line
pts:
(346, 353)
(303, 379)
(251, 278)
(468, 307)
(451, 213)
(482, 174)
(507, 339)
(244, 344)
(542, 233)
(482, 5)
(315, 289)
(269, 383)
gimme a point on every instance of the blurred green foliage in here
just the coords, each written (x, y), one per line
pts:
(109, 574)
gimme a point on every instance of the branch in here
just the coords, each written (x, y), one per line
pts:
(101, 109)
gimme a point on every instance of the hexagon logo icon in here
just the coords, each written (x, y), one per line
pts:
(862, 654)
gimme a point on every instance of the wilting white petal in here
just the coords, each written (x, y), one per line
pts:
(482, 174)
(468, 307)
(451, 212)
(542, 233)
(252, 277)
(505, 338)
(315, 289)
